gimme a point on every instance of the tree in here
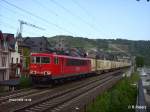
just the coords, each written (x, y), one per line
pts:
(139, 61)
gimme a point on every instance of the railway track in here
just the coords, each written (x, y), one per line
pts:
(5, 99)
(13, 92)
(79, 103)
(50, 99)
(55, 100)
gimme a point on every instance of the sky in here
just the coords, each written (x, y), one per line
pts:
(94, 19)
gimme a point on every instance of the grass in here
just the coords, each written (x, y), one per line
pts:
(118, 98)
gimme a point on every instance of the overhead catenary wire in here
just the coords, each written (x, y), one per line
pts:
(10, 26)
(92, 26)
(85, 11)
(32, 25)
(82, 8)
(54, 13)
(14, 12)
(20, 14)
(8, 9)
(23, 22)
(8, 18)
(36, 16)
(74, 15)
(43, 6)
(88, 14)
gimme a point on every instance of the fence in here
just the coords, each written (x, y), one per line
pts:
(141, 103)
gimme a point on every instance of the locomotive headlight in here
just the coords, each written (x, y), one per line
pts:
(47, 73)
(31, 72)
(34, 72)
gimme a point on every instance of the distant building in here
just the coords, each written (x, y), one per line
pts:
(61, 45)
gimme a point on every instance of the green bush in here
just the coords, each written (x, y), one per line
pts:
(25, 82)
(117, 99)
(139, 61)
(1, 89)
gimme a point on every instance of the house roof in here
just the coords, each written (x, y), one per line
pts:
(10, 40)
(37, 42)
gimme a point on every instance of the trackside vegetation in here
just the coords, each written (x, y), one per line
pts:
(119, 98)
(139, 61)
(25, 82)
(1, 89)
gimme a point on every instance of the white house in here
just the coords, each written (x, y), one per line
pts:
(15, 61)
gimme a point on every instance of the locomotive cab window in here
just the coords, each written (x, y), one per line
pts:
(37, 59)
(45, 60)
(56, 60)
(33, 59)
(40, 60)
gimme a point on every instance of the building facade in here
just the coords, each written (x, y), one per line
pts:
(15, 62)
(4, 58)
(10, 66)
(24, 51)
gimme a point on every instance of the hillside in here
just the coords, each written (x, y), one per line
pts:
(135, 48)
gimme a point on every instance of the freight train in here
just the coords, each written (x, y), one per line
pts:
(46, 68)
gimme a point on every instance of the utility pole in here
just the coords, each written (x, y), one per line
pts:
(19, 33)
(21, 22)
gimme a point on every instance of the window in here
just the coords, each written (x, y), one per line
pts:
(45, 60)
(40, 49)
(40, 60)
(37, 60)
(76, 62)
(56, 60)
(3, 62)
(3, 75)
(16, 60)
(40, 43)
(33, 59)
(17, 72)
(12, 60)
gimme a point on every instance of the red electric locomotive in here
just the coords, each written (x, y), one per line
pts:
(47, 67)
